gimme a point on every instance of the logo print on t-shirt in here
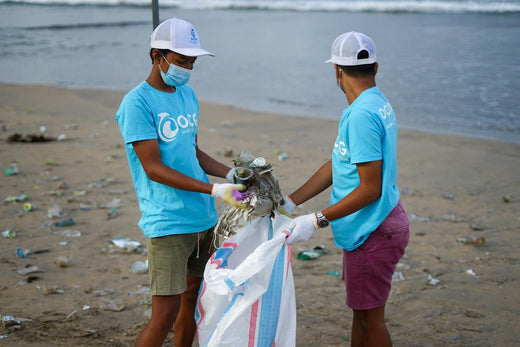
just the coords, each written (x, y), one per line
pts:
(168, 127)
(340, 148)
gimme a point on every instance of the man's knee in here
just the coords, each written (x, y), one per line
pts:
(193, 285)
(368, 318)
(165, 308)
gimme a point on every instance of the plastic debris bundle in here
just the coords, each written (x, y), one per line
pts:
(263, 194)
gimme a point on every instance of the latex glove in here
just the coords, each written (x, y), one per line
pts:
(230, 174)
(302, 228)
(287, 208)
(224, 191)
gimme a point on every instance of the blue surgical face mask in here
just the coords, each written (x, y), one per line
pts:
(176, 76)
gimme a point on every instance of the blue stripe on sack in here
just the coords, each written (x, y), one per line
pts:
(198, 315)
(229, 306)
(223, 254)
(270, 306)
(231, 285)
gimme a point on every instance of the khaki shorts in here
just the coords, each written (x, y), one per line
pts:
(171, 258)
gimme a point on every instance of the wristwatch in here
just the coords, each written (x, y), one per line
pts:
(321, 220)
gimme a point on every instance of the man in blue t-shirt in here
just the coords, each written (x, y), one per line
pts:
(159, 123)
(365, 214)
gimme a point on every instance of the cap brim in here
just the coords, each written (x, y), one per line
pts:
(192, 52)
(335, 60)
(350, 62)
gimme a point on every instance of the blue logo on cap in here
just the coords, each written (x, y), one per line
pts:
(194, 39)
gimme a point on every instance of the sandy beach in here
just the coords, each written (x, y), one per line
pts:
(68, 198)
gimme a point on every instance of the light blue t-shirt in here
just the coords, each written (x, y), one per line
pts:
(147, 113)
(367, 132)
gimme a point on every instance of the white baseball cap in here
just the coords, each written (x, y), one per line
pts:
(178, 36)
(346, 47)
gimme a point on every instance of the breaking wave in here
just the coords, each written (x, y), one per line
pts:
(385, 6)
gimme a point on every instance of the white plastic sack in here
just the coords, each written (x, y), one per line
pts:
(247, 295)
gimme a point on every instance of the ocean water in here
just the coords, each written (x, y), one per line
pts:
(449, 67)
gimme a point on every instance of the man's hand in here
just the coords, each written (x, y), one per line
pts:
(302, 228)
(224, 191)
(288, 207)
(230, 174)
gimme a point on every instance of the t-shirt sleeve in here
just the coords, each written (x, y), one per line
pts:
(135, 120)
(365, 137)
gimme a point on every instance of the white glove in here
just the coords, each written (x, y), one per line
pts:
(288, 205)
(302, 228)
(224, 191)
(230, 174)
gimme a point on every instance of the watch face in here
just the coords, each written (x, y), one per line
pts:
(322, 220)
(323, 223)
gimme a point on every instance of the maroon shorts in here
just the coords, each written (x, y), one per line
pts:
(368, 270)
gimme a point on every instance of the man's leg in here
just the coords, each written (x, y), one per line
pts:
(185, 326)
(356, 336)
(369, 329)
(164, 312)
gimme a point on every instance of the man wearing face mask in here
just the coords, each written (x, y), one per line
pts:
(158, 121)
(365, 214)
